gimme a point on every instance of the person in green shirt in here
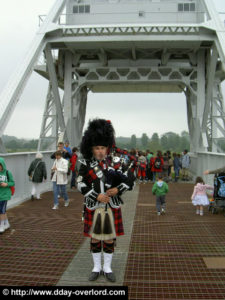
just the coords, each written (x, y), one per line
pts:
(6, 181)
(160, 189)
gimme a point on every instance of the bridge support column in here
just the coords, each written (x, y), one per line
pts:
(196, 96)
(217, 116)
(75, 101)
(78, 114)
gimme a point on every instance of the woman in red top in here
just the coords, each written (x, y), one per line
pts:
(73, 161)
(156, 164)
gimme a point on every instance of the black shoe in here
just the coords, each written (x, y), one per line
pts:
(110, 277)
(32, 198)
(93, 276)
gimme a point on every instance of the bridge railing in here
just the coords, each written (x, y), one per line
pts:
(18, 164)
(202, 161)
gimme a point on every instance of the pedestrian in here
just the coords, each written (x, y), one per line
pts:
(60, 179)
(176, 166)
(6, 181)
(37, 174)
(64, 152)
(148, 168)
(165, 167)
(73, 161)
(160, 189)
(142, 163)
(67, 148)
(156, 165)
(199, 197)
(133, 158)
(102, 186)
(185, 163)
(170, 164)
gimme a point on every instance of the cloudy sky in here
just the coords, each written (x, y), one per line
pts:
(138, 113)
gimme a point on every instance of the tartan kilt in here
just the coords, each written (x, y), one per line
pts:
(118, 221)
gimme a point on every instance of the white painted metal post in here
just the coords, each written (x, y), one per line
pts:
(68, 95)
(79, 112)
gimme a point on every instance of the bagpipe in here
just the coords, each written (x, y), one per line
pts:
(117, 171)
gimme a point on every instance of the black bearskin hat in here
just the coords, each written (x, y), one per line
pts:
(100, 132)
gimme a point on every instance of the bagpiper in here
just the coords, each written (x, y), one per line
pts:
(102, 185)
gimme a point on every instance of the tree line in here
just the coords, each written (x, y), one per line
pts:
(167, 141)
(14, 144)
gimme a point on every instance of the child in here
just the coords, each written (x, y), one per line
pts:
(199, 197)
(6, 181)
(160, 189)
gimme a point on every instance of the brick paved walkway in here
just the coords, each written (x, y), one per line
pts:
(169, 256)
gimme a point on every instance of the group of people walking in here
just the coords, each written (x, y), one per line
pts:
(148, 166)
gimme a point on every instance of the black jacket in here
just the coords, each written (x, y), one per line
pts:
(90, 177)
(37, 170)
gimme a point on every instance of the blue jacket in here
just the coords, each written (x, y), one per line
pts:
(176, 163)
(185, 161)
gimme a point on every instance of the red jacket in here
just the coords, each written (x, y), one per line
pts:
(152, 164)
(73, 161)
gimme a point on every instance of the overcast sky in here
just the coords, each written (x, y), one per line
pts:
(129, 113)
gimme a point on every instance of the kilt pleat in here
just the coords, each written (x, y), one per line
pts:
(118, 221)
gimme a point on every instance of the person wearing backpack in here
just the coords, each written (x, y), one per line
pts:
(160, 189)
(156, 165)
(37, 173)
(6, 182)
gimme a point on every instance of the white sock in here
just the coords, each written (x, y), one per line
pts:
(97, 261)
(6, 222)
(107, 262)
(2, 223)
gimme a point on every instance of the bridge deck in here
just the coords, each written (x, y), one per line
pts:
(176, 256)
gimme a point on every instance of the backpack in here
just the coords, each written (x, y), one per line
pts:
(12, 188)
(157, 163)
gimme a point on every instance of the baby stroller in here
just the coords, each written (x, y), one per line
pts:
(218, 200)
